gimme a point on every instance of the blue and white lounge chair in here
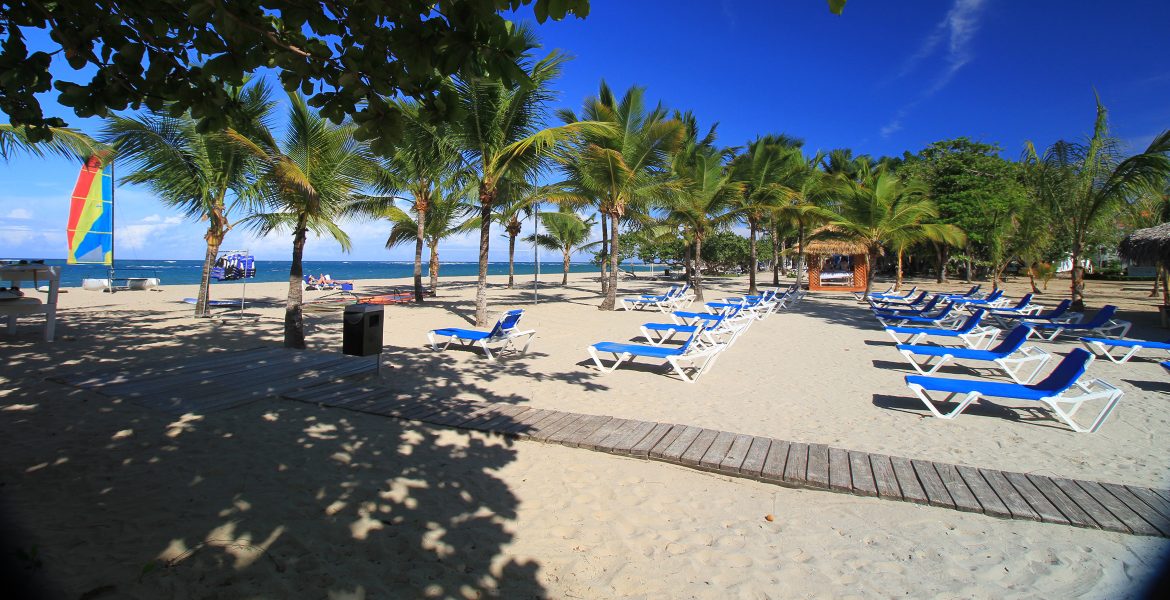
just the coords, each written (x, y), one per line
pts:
(1023, 307)
(908, 312)
(700, 356)
(895, 303)
(1059, 314)
(889, 294)
(1102, 325)
(971, 293)
(1053, 391)
(991, 300)
(1010, 355)
(722, 328)
(676, 297)
(1106, 346)
(945, 317)
(504, 333)
(972, 332)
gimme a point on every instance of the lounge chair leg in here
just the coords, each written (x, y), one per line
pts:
(963, 404)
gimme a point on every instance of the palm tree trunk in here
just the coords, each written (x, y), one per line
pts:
(898, 279)
(511, 260)
(604, 248)
(969, 265)
(870, 263)
(800, 254)
(565, 277)
(294, 323)
(775, 257)
(941, 253)
(421, 210)
(688, 266)
(611, 291)
(434, 268)
(754, 257)
(217, 228)
(486, 197)
(214, 239)
(698, 268)
(1077, 285)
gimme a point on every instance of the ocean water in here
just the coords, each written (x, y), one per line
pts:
(177, 272)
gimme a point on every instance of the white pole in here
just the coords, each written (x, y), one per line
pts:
(536, 254)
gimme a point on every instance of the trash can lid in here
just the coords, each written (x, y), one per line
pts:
(363, 308)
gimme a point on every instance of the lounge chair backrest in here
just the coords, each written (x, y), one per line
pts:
(945, 312)
(1024, 302)
(1013, 341)
(1066, 373)
(507, 322)
(1058, 311)
(920, 297)
(974, 290)
(673, 291)
(1102, 317)
(699, 327)
(993, 296)
(930, 305)
(972, 321)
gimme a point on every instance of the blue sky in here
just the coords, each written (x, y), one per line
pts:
(883, 78)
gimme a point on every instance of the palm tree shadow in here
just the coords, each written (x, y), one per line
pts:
(356, 504)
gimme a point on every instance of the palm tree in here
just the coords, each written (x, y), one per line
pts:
(309, 180)
(195, 171)
(446, 216)
(424, 160)
(65, 142)
(703, 203)
(567, 232)
(498, 131)
(763, 172)
(623, 165)
(1082, 183)
(883, 210)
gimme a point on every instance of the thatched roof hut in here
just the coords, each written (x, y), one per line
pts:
(1149, 245)
(834, 246)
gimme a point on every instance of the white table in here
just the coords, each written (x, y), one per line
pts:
(30, 305)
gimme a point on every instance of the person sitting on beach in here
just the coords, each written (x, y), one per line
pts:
(325, 278)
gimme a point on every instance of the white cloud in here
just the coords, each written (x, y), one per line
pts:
(20, 214)
(152, 219)
(958, 28)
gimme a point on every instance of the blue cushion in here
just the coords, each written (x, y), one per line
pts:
(670, 327)
(1129, 343)
(638, 349)
(467, 334)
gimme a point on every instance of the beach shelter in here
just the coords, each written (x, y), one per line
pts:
(1151, 246)
(836, 265)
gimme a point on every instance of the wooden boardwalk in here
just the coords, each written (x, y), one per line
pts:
(221, 380)
(1111, 507)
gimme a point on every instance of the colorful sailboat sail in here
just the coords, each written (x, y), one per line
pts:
(90, 230)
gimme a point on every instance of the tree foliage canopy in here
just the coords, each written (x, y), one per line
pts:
(352, 57)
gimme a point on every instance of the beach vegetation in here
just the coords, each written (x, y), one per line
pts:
(205, 175)
(565, 232)
(307, 181)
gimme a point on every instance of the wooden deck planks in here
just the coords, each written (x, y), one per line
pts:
(658, 450)
(699, 447)
(776, 461)
(818, 465)
(685, 438)
(863, 479)
(964, 499)
(796, 467)
(1153, 500)
(1099, 514)
(593, 441)
(883, 477)
(753, 461)
(988, 500)
(908, 480)
(1015, 502)
(736, 453)
(714, 456)
(840, 477)
(619, 433)
(1052, 493)
(1159, 522)
(932, 484)
(1133, 521)
(573, 435)
(641, 448)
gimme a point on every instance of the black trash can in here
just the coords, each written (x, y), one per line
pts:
(362, 330)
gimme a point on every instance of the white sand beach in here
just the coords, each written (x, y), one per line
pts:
(281, 499)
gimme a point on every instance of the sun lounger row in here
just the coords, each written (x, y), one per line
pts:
(1064, 390)
(708, 334)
